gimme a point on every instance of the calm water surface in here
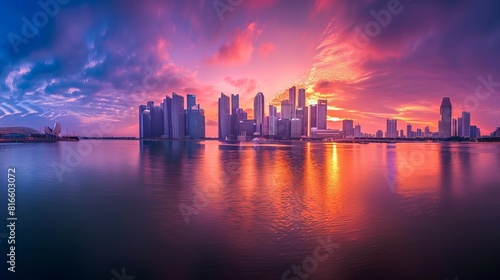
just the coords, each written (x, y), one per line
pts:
(201, 210)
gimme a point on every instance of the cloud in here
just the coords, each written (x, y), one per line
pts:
(266, 48)
(238, 50)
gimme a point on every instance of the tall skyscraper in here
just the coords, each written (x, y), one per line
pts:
(460, 127)
(273, 120)
(235, 103)
(258, 110)
(322, 114)
(313, 117)
(240, 115)
(347, 128)
(178, 117)
(446, 113)
(142, 108)
(191, 102)
(292, 96)
(466, 124)
(392, 129)
(167, 117)
(301, 114)
(454, 127)
(224, 116)
(409, 132)
(156, 122)
(146, 122)
(302, 98)
(286, 109)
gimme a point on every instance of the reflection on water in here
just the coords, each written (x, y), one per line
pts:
(202, 210)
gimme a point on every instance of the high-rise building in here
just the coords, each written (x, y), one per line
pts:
(460, 127)
(178, 117)
(347, 128)
(301, 114)
(258, 110)
(240, 115)
(224, 116)
(194, 119)
(427, 132)
(474, 132)
(295, 128)
(286, 109)
(313, 117)
(322, 114)
(466, 124)
(419, 133)
(357, 131)
(446, 113)
(284, 128)
(273, 120)
(247, 128)
(167, 117)
(392, 129)
(401, 133)
(409, 133)
(142, 122)
(454, 127)
(265, 126)
(156, 122)
(379, 134)
(191, 102)
(292, 96)
(302, 98)
(235, 104)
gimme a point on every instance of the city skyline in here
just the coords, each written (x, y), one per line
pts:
(122, 55)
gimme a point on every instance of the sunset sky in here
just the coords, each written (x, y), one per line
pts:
(99, 60)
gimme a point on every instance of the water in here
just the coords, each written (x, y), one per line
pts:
(200, 210)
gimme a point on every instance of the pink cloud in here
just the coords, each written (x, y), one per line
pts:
(238, 50)
(266, 48)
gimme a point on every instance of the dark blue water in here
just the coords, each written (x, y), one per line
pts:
(200, 210)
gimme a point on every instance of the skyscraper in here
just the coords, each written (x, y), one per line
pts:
(313, 117)
(466, 124)
(167, 117)
(301, 114)
(146, 123)
(347, 128)
(295, 128)
(446, 112)
(178, 117)
(460, 128)
(191, 102)
(286, 109)
(322, 113)
(224, 117)
(292, 96)
(409, 132)
(392, 129)
(273, 120)
(258, 110)
(156, 122)
(235, 104)
(142, 108)
(454, 127)
(302, 98)
(240, 115)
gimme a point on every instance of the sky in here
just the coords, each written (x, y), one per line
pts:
(85, 63)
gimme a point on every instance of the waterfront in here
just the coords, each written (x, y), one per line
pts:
(201, 210)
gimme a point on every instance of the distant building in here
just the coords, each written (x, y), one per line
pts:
(357, 131)
(445, 122)
(273, 120)
(326, 133)
(460, 127)
(167, 117)
(258, 110)
(379, 134)
(302, 98)
(475, 132)
(392, 128)
(286, 109)
(301, 113)
(313, 116)
(427, 132)
(247, 128)
(224, 116)
(454, 127)
(347, 128)
(322, 114)
(466, 124)
(235, 104)
(409, 132)
(178, 117)
(295, 128)
(292, 96)
(240, 115)
(401, 134)
(156, 122)
(284, 128)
